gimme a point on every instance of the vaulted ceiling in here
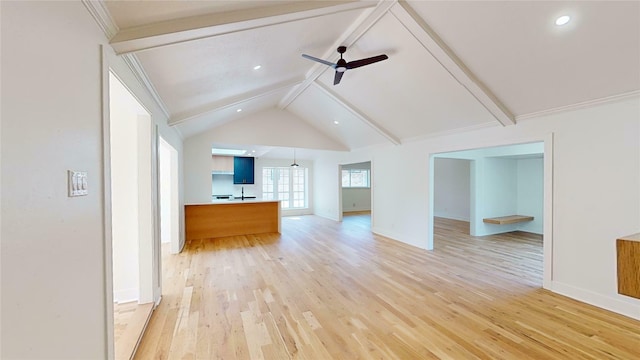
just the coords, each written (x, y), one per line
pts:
(452, 66)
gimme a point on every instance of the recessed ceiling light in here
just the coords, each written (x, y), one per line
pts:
(238, 110)
(257, 67)
(336, 122)
(563, 20)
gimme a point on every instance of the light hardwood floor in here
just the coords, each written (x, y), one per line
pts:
(327, 290)
(129, 320)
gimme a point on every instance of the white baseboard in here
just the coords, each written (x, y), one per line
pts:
(459, 218)
(297, 212)
(393, 236)
(326, 217)
(627, 307)
(125, 295)
(382, 232)
(356, 209)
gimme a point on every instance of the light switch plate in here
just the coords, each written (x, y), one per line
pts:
(77, 183)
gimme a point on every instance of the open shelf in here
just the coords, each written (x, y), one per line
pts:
(511, 219)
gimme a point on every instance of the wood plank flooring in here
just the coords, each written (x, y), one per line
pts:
(327, 290)
(129, 320)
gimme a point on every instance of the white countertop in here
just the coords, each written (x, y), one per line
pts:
(233, 201)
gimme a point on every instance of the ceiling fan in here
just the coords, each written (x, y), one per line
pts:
(342, 65)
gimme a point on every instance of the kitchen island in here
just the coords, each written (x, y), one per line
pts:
(231, 218)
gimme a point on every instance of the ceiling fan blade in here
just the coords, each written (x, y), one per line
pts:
(319, 60)
(337, 77)
(362, 62)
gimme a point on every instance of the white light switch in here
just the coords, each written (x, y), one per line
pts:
(77, 183)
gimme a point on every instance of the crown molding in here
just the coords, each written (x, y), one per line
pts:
(103, 18)
(138, 71)
(580, 105)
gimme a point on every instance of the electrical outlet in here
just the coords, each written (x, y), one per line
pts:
(77, 183)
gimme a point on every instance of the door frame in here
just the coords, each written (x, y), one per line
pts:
(153, 263)
(547, 243)
(340, 204)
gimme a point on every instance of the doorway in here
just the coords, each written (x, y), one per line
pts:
(503, 180)
(132, 215)
(356, 197)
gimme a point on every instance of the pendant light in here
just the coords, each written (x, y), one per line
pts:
(295, 164)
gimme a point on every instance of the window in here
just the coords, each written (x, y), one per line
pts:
(287, 184)
(356, 178)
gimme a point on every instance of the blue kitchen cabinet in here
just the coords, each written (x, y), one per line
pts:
(243, 170)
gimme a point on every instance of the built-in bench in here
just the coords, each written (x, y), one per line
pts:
(511, 219)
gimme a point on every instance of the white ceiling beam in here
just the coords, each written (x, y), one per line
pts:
(204, 26)
(450, 61)
(359, 114)
(231, 102)
(355, 32)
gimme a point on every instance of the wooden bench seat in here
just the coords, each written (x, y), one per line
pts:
(511, 219)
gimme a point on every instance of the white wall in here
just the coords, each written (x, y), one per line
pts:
(504, 187)
(531, 193)
(271, 127)
(146, 221)
(326, 188)
(53, 251)
(596, 197)
(170, 195)
(496, 184)
(356, 199)
(164, 157)
(514, 151)
(124, 112)
(452, 188)
(222, 184)
(54, 298)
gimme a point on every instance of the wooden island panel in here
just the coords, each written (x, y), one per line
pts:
(628, 251)
(205, 221)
